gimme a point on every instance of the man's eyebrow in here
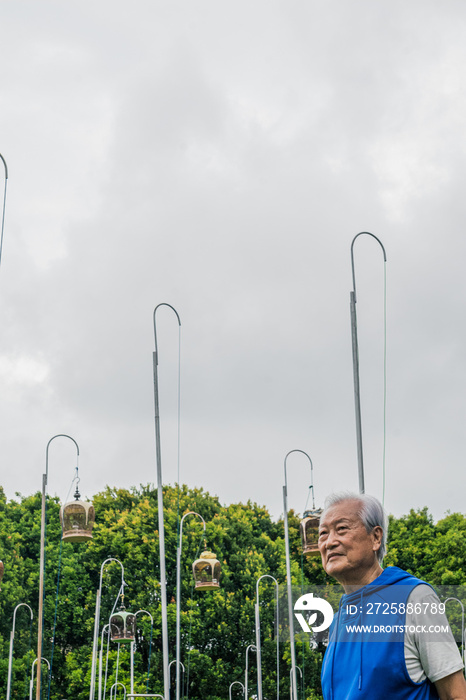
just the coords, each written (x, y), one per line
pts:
(339, 521)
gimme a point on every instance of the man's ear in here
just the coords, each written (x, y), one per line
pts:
(377, 534)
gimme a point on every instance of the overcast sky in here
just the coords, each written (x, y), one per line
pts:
(220, 157)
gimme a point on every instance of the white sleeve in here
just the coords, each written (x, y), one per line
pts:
(428, 653)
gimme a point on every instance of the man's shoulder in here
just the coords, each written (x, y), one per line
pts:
(423, 591)
(394, 576)
(396, 573)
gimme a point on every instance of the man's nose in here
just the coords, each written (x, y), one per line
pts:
(331, 540)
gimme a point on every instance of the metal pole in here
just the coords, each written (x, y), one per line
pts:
(97, 622)
(132, 667)
(163, 579)
(42, 560)
(178, 600)
(354, 338)
(290, 600)
(169, 672)
(10, 657)
(258, 636)
(301, 676)
(94, 644)
(41, 587)
(106, 627)
(31, 684)
(139, 612)
(258, 651)
(357, 397)
(294, 685)
(246, 690)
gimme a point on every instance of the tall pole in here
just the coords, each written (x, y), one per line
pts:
(139, 612)
(10, 657)
(40, 620)
(300, 675)
(246, 685)
(41, 586)
(183, 668)
(294, 683)
(354, 339)
(258, 636)
(163, 578)
(95, 643)
(294, 695)
(31, 684)
(178, 600)
(101, 654)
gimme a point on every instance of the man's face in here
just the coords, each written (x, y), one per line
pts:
(348, 551)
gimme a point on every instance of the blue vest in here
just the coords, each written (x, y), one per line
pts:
(365, 659)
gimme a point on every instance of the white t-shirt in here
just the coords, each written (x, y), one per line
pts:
(434, 657)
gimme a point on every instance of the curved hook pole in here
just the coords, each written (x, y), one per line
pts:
(190, 512)
(178, 599)
(121, 592)
(355, 350)
(18, 606)
(363, 233)
(5, 166)
(163, 583)
(47, 452)
(303, 453)
(258, 636)
(260, 579)
(115, 685)
(234, 683)
(155, 330)
(139, 612)
(294, 683)
(10, 656)
(251, 647)
(144, 612)
(300, 672)
(41, 661)
(109, 561)
(40, 615)
(39, 666)
(95, 644)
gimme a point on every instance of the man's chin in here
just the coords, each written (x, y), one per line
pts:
(335, 565)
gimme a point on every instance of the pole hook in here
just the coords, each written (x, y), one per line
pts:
(363, 233)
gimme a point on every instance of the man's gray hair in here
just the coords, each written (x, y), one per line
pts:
(370, 510)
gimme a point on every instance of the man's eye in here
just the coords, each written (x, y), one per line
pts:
(342, 528)
(322, 533)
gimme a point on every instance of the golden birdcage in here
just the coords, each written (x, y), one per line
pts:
(309, 528)
(206, 571)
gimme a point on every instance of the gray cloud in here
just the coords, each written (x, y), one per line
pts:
(221, 159)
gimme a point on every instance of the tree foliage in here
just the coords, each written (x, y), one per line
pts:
(216, 626)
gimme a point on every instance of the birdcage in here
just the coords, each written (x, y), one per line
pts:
(206, 571)
(122, 626)
(309, 528)
(77, 520)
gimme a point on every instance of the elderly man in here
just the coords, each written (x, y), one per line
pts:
(382, 642)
